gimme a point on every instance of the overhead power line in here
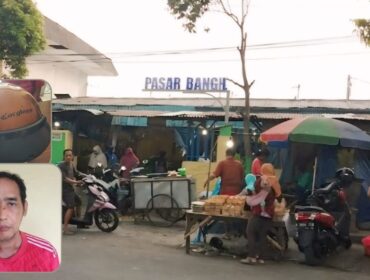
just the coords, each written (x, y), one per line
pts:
(101, 60)
(360, 80)
(275, 45)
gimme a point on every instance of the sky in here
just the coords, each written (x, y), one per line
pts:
(310, 46)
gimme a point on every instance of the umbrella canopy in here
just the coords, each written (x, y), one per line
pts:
(317, 130)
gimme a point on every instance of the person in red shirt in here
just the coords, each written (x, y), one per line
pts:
(261, 157)
(19, 251)
(231, 172)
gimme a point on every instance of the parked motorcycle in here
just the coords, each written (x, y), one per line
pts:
(323, 225)
(117, 188)
(98, 208)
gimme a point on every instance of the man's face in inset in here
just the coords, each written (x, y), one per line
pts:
(12, 210)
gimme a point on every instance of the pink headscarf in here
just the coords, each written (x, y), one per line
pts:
(130, 161)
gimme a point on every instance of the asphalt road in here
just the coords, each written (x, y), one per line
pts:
(140, 252)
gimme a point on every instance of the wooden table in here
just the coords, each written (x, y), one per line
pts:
(196, 220)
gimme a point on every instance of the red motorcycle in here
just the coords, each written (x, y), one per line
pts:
(324, 224)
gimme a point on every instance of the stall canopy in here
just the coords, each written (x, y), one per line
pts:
(320, 137)
(317, 130)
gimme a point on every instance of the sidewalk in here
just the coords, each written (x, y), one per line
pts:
(352, 260)
(357, 235)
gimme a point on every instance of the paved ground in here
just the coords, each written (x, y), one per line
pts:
(144, 252)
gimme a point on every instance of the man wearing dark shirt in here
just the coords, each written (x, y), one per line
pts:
(69, 174)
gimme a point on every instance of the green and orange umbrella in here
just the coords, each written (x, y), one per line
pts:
(317, 130)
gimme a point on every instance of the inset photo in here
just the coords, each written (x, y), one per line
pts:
(30, 218)
(25, 116)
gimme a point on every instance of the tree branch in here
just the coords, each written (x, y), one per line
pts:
(229, 13)
(235, 83)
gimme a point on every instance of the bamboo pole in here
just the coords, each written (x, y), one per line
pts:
(314, 175)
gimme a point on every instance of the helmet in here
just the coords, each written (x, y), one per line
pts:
(345, 175)
(24, 130)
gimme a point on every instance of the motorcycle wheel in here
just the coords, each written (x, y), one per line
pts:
(106, 220)
(312, 258)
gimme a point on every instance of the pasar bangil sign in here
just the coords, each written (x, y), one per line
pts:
(190, 83)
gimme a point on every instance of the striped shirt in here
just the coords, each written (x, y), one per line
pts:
(34, 255)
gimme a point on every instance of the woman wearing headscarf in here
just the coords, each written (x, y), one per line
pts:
(129, 160)
(266, 190)
(97, 156)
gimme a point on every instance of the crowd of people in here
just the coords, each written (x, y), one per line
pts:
(263, 193)
(261, 187)
(98, 160)
(262, 190)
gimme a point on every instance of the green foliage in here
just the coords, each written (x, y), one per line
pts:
(21, 34)
(189, 10)
(363, 27)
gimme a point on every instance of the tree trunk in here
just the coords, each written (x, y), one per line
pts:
(246, 138)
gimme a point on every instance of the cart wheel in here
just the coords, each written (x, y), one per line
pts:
(162, 210)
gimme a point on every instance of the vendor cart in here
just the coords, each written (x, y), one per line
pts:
(277, 238)
(163, 200)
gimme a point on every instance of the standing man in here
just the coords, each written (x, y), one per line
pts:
(20, 251)
(231, 172)
(69, 196)
(261, 158)
(160, 163)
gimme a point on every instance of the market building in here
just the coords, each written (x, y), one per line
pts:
(177, 125)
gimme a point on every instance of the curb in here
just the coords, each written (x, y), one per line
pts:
(356, 237)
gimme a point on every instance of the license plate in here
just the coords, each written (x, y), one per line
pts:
(309, 225)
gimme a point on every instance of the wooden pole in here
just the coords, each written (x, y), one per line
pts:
(314, 175)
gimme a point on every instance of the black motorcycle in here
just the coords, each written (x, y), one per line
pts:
(323, 225)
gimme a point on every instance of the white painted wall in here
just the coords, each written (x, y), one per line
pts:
(63, 77)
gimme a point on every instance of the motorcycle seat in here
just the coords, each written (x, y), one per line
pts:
(299, 208)
(326, 189)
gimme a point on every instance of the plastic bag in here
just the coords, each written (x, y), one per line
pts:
(217, 188)
(290, 224)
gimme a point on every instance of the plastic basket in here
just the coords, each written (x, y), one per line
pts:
(366, 244)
